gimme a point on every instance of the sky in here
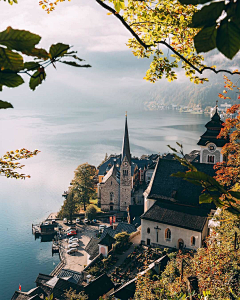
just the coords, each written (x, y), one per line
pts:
(116, 76)
(99, 39)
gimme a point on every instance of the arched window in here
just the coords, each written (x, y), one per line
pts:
(111, 196)
(125, 172)
(193, 240)
(211, 159)
(168, 234)
(148, 230)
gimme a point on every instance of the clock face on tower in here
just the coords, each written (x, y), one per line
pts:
(125, 164)
(212, 147)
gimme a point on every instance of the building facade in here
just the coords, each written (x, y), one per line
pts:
(172, 215)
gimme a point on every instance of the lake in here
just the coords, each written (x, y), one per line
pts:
(68, 137)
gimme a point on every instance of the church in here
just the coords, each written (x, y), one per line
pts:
(115, 188)
(121, 178)
(172, 215)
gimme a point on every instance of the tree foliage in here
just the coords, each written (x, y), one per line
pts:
(14, 44)
(83, 183)
(72, 295)
(91, 212)
(9, 163)
(69, 207)
(219, 26)
(216, 268)
(176, 26)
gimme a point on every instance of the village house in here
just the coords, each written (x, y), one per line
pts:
(172, 215)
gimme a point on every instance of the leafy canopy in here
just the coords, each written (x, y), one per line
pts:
(9, 163)
(183, 29)
(14, 43)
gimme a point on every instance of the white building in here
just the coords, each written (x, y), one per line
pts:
(172, 215)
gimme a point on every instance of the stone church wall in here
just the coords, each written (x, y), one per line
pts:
(110, 186)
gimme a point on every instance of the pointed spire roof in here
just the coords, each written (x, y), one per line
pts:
(214, 127)
(126, 145)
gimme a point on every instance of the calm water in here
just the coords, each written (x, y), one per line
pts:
(67, 137)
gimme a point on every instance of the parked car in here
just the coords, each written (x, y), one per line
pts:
(86, 221)
(102, 227)
(73, 240)
(72, 250)
(46, 223)
(54, 222)
(78, 221)
(73, 245)
(71, 233)
(65, 221)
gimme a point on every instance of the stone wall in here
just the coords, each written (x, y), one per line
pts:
(110, 186)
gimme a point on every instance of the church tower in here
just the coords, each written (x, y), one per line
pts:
(125, 172)
(211, 146)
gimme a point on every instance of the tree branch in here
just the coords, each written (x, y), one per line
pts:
(146, 46)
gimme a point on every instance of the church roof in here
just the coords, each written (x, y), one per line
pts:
(126, 145)
(112, 172)
(112, 160)
(163, 186)
(178, 215)
(214, 127)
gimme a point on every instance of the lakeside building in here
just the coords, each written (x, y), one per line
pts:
(172, 215)
(123, 178)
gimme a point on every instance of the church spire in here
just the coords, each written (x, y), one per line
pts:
(126, 145)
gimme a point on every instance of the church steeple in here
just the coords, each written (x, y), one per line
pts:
(214, 127)
(126, 145)
(210, 145)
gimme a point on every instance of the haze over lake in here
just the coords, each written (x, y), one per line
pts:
(66, 138)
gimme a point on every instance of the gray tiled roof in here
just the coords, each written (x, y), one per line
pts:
(165, 186)
(99, 287)
(177, 215)
(42, 278)
(75, 276)
(92, 248)
(62, 286)
(129, 228)
(108, 240)
(18, 295)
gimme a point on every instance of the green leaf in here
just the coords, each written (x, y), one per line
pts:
(74, 64)
(5, 104)
(58, 50)
(205, 40)
(19, 40)
(228, 38)
(10, 79)
(208, 15)
(10, 60)
(205, 198)
(36, 79)
(37, 52)
(31, 65)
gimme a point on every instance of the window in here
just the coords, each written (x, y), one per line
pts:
(148, 230)
(168, 234)
(211, 159)
(111, 196)
(111, 182)
(125, 172)
(148, 242)
(111, 207)
(193, 240)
